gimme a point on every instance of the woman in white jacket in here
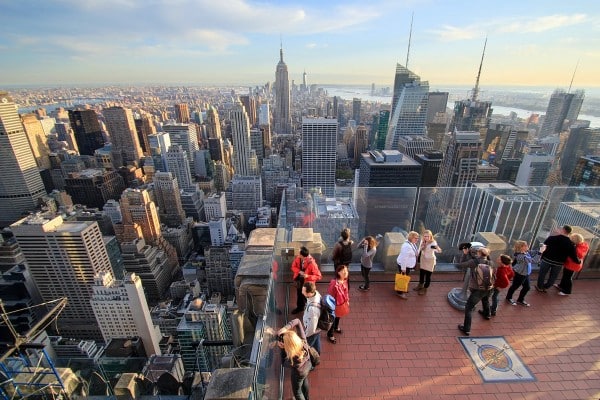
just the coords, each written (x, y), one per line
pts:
(427, 260)
(407, 259)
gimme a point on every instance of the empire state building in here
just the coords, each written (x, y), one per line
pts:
(283, 122)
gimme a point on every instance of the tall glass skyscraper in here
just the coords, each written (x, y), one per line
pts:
(409, 107)
(562, 107)
(20, 182)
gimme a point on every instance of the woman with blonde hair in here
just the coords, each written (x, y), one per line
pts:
(298, 357)
(426, 260)
(369, 245)
(570, 267)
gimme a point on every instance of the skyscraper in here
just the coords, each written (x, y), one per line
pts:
(185, 136)
(63, 258)
(182, 113)
(563, 107)
(319, 140)
(582, 141)
(283, 121)
(37, 140)
(240, 132)
(126, 149)
(122, 311)
(459, 167)
(213, 124)
(168, 199)
(177, 163)
(88, 132)
(409, 107)
(21, 185)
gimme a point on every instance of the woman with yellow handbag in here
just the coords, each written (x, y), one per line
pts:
(407, 261)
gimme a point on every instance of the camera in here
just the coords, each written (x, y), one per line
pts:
(280, 338)
(433, 246)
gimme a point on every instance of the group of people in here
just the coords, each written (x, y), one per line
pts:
(562, 250)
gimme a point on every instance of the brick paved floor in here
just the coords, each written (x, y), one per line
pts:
(408, 349)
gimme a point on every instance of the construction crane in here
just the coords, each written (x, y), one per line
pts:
(13, 376)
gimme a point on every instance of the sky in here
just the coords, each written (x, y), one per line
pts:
(70, 42)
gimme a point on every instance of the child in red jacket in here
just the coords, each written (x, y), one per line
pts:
(504, 274)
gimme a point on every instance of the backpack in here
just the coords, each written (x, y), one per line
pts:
(327, 315)
(485, 276)
(345, 254)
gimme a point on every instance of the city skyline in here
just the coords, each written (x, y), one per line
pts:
(237, 42)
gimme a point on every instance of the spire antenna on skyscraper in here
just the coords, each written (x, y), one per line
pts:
(476, 88)
(409, 39)
(573, 77)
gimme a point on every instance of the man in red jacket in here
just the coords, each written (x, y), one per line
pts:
(304, 269)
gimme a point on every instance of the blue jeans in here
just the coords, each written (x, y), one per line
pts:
(475, 297)
(315, 341)
(494, 308)
(299, 385)
(519, 280)
(546, 267)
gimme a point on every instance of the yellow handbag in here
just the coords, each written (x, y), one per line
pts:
(401, 282)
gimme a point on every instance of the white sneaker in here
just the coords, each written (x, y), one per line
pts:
(562, 294)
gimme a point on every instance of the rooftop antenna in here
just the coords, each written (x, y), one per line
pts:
(573, 77)
(476, 88)
(409, 39)
(280, 48)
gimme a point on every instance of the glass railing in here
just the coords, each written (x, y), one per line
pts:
(493, 213)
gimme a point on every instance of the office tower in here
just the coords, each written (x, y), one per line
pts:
(388, 168)
(203, 321)
(282, 118)
(319, 139)
(264, 123)
(222, 176)
(153, 265)
(563, 110)
(411, 145)
(213, 124)
(219, 272)
(249, 103)
(63, 258)
(431, 162)
(240, 132)
(257, 144)
(409, 107)
(37, 140)
(168, 199)
(472, 115)
(140, 220)
(356, 110)
(88, 132)
(360, 144)
(459, 167)
(437, 104)
(215, 146)
(182, 113)
(126, 147)
(94, 187)
(218, 231)
(19, 299)
(244, 194)
(534, 169)
(586, 172)
(192, 203)
(65, 133)
(582, 141)
(144, 127)
(176, 160)
(21, 185)
(383, 119)
(204, 164)
(122, 312)
(215, 206)
(275, 172)
(184, 135)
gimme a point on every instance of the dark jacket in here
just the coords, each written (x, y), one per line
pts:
(558, 249)
(472, 264)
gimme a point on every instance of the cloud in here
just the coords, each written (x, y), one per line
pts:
(513, 25)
